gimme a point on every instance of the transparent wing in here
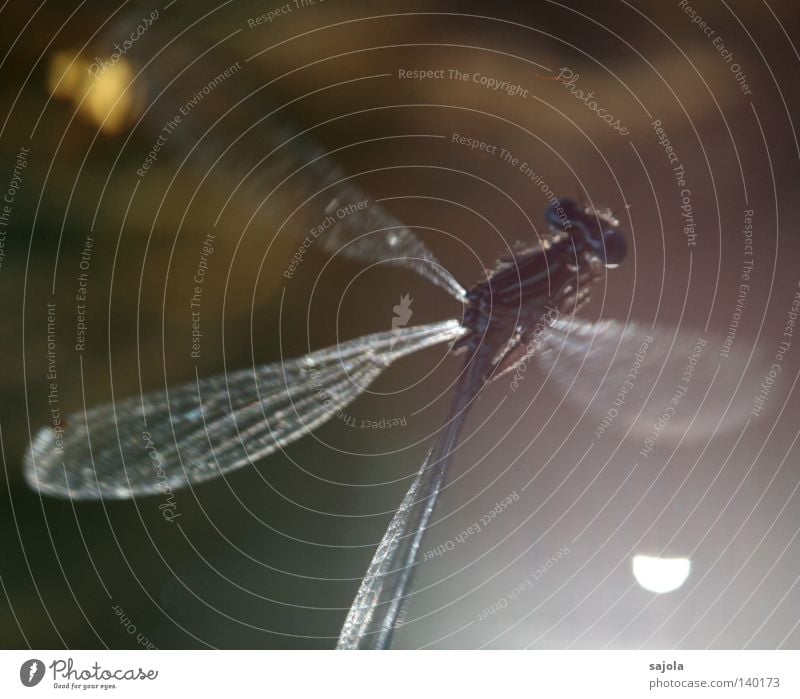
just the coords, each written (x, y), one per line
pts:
(242, 142)
(377, 608)
(198, 430)
(376, 236)
(658, 382)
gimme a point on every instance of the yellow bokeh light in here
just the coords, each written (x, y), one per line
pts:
(104, 94)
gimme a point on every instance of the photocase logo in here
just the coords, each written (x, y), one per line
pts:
(402, 314)
(31, 672)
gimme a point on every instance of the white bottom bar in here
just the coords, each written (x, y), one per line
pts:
(401, 674)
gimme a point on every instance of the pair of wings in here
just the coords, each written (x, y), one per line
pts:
(196, 431)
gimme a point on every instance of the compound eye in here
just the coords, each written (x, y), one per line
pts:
(588, 230)
(603, 238)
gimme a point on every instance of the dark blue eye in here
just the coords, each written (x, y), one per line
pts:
(595, 231)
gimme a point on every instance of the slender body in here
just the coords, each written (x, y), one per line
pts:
(503, 311)
(373, 616)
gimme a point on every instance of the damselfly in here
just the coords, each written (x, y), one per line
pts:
(523, 309)
(202, 429)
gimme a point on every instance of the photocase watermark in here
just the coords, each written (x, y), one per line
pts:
(329, 400)
(57, 423)
(130, 627)
(784, 346)
(679, 172)
(100, 66)
(206, 251)
(169, 506)
(66, 675)
(527, 584)
(507, 157)
(270, 16)
(716, 41)
(80, 294)
(625, 388)
(331, 219)
(170, 127)
(680, 391)
(476, 144)
(745, 272)
(474, 528)
(547, 319)
(8, 198)
(486, 81)
(569, 78)
(384, 423)
(402, 314)
(31, 672)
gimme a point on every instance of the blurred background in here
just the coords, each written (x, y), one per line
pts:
(271, 556)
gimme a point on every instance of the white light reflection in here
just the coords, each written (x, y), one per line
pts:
(660, 574)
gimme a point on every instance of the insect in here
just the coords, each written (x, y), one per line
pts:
(199, 430)
(523, 309)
